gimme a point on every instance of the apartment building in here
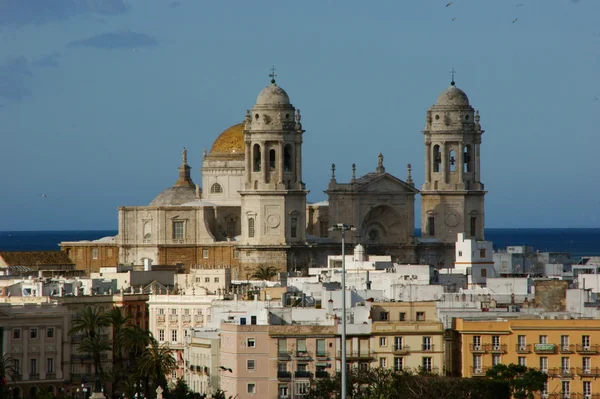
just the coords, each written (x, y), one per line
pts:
(201, 355)
(407, 336)
(567, 350)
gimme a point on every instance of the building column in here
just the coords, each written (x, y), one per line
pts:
(280, 171)
(461, 161)
(428, 163)
(298, 162)
(263, 160)
(58, 365)
(444, 163)
(477, 165)
(43, 363)
(249, 160)
(25, 364)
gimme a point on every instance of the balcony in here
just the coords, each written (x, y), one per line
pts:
(566, 348)
(284, 355)
(302, 355)
(478, 348)
(77, 338)
(160, 318)
(583, 396)
(478, 371)
(561, 372)
(587, 349)
(501, 348)
(50, 376)
(544, 348)
(428, 347)
(588, 371)
(321, 374)
(34, 377)
(284, 375)
(401, 349)
(523, 348)
(355, 355)
(322, 355)
(303, 374)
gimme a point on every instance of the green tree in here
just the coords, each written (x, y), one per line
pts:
(135, 340)
(265, 273)
(155, 363)
(119, 324)
(90, 323)
(8, 372)
(45, 393)
(524, 382)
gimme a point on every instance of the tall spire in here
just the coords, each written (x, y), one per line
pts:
(185, 178)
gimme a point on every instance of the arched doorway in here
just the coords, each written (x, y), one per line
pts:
(17, 393)
(33, 392)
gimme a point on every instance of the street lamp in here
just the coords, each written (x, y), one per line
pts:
(343, 228)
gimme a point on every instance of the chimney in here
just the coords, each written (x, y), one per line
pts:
(330, 306)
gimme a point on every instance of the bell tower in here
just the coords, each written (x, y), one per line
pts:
(273, 194)
(452, 196)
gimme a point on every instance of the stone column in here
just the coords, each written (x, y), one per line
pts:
(280, 171)
(477, 164)
(58, 367)
(249, 161)
(461, 161)
(444, 163)
(25, 364)
(43, 362)
(298, 162)
(263, 160)
(427, 163)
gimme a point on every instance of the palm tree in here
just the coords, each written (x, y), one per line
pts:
(265, 273)
(135, 340)
(91, 322)
(8, 370)
(119, 323)
(156, 362)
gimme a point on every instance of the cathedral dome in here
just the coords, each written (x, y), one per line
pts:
(175, 195)
(273, 95)
(231, 141)
(452, 96)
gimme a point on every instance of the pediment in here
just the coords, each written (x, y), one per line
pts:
(386, 183)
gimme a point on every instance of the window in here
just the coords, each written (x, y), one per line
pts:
(477, 342)
(251, 388)
(566, 388)
(178, 230)
(257, 158)
(383, 316)
(301, 345)
(302, 367)
(431, 226)
(452, 160)
(495, 342)
(205, 253)
(33, 366)
(564, 342)
(94, 253)
(544, 364)
(483, 272)
(283, 391)
(522, 361)
(477, 364)
(272, 157)
(17, 333)
(109, 252)
(207, 279)
(251, 227)
(294, 226)
(473, 225)
(50, 332)
(282, 345)
(382, 341)
(302, 387)
(174, 374)
(586, 364)
(216, 188)
(585, 342)
(287, 158)
(33, 333)
(216, 279)
(402, 316)
(420, 316)
(521, 342)
(397, 343)
(427, 346)
(50, 365)
(173, 335)
(173, 312)
(382, 362)
(250, 364)
(17, 365)
(564, 365)
(251, 342)
(545, 389)
(186, 312)
(236, 254)
(437, 155)
(543, 339)
(398, 363)
(496, 359)
(427, 364)
(459, 253)
(587, 388)
(321, 348)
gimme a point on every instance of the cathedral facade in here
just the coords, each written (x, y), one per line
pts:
(252, 208)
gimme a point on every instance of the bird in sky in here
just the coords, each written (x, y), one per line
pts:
(515, 20)
(454, 19)
(596, 99)
(520, 5)
(44, 195)
(449, 4)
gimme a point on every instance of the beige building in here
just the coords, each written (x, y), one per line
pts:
(407, 336)
(201, 357)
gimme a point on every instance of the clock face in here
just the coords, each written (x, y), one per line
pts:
(273, 221)
(452, 219)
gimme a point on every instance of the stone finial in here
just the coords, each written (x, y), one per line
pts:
(184, 156)
(204, 154)
(159, 392)
(198, 192)
(353, 172)
(409, 179)
(477, 118)
(298, 119)
(332, 171)
(380, 167)
(247, 119)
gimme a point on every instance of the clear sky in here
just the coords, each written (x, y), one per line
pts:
(97, 98)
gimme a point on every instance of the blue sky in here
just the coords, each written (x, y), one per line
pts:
(97, 98)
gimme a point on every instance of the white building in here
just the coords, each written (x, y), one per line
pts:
(201, 355)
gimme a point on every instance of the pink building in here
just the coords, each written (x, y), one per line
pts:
(274, 362)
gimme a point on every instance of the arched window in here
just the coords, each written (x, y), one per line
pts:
(452, 160)
(272, 158)
(216, 188)
(473, 225)
(437, 158)
(256, 157)
(250, 227)
(431, 225)
(147, 231)
(467, 158)
(287, 158)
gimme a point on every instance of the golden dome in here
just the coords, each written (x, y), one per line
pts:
(231, 141)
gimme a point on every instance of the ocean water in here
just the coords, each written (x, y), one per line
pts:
(578, 242)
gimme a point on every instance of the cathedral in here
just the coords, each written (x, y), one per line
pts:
(251, 210)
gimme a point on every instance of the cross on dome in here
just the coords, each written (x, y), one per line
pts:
(272, 75)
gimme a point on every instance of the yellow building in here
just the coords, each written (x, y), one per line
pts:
(407, 336)
(567, 350)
